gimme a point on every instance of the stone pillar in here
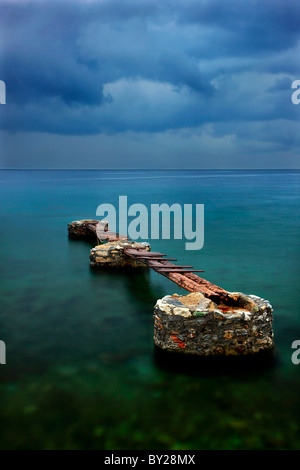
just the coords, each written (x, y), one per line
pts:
(193, 324)
(112, 255)
(78, 229)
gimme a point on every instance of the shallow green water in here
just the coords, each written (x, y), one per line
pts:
(81, 371)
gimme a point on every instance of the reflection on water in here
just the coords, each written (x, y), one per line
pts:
(82, 372)
(237, 367)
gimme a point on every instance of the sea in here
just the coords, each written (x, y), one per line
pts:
(81, 369)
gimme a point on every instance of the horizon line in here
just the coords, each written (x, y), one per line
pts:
(149, 169)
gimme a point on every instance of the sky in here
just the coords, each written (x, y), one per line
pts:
(149, 84)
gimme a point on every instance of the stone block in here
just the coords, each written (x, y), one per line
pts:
(112, 255)
(192, 324)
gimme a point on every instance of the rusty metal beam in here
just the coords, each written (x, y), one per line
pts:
(182, 275)
(177, 270)
(154, 258)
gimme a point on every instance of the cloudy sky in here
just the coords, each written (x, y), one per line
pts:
(149, 83)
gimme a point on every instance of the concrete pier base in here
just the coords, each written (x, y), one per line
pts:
(193, 324)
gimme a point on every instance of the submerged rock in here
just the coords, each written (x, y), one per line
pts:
(193, 324)
(112, 254)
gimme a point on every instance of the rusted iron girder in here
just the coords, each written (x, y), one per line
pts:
(182, 275)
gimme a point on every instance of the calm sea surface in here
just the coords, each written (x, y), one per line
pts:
(81, 371)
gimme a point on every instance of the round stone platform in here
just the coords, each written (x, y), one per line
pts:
(78, 229)
(111, 255)
(193, 324)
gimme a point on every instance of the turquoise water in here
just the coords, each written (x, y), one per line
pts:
(81, 371)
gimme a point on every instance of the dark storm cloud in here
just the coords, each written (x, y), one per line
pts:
(267, 24)
(39, 59)
(82, 68)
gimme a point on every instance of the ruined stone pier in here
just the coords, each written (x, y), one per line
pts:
(209, 321)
